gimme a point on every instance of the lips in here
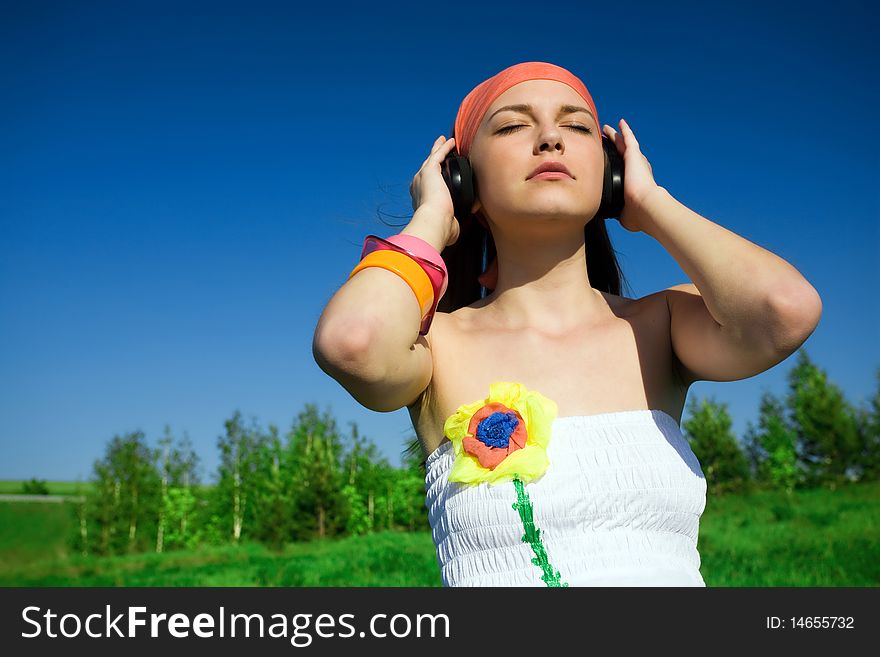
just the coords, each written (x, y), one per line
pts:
(550, 166)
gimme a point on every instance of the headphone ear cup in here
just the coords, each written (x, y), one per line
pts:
(459, 179)
(612, 184)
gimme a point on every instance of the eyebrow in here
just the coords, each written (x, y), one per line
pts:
(528, 109)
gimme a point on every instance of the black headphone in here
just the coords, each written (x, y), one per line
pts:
(460, 180)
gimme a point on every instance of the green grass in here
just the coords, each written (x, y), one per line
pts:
(381, 559)
(35, 531)
(816, 538)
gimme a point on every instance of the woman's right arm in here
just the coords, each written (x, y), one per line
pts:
(367, 337)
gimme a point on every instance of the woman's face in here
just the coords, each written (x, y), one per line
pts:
(502, 160)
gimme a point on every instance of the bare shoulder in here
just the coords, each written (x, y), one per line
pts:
(651, 307)
(655, 318)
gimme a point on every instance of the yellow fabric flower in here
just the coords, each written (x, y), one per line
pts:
(501, 437)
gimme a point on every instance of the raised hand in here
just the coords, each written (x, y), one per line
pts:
(431, 199)
(638, 178)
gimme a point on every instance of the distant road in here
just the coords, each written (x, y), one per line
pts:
(40, 498)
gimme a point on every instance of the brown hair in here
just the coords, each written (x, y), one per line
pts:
(475, 248)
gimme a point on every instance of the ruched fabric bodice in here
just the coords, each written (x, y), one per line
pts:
(619, 505)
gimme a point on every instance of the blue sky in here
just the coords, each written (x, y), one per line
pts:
(183, 187)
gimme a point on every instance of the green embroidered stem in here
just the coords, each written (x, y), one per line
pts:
(533, 536)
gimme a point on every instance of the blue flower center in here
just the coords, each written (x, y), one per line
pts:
(496, 429)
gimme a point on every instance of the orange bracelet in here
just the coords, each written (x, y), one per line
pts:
(405, 267)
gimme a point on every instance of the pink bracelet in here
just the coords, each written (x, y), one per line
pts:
(425, 255)
(419, 247)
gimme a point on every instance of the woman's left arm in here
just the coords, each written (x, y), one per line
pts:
(748, 308)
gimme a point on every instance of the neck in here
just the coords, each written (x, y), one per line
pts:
(543, 283)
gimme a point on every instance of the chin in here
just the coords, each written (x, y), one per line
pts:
(560, 209)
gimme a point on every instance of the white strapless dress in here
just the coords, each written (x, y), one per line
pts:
(619, 505)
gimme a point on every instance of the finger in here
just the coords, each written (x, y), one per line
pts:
(616, 137)
(444, 149)
(434, 147)
(447, 143)
(438, 143)
(630, 137)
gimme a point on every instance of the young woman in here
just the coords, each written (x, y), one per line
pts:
(549, 409)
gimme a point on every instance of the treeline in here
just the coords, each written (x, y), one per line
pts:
(312, 483)
(810, 437)
(315, 482)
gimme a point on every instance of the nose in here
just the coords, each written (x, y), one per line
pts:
(551, 139)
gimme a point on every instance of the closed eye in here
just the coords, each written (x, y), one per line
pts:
(511, 128)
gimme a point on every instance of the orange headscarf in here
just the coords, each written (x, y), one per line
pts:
(474, 106)
(477, 102)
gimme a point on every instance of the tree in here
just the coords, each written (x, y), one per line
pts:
(771, 447)
(357, 491)
(715, 446)
(868, 427)
(410, 510)
(234, 497)
(79, 540)
(383, 510)
(178, 463)
(274, 493)
(314, 450)
(825, 425)
(180, 507)
(35, 486)
(124, 504)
